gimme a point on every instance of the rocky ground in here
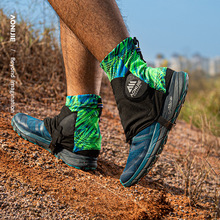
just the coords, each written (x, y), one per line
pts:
(34, 184)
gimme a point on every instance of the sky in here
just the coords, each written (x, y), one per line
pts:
(185, 27)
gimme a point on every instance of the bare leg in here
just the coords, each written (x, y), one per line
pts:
(97, 23)
(83, 73)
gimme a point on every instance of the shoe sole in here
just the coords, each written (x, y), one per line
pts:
(71, 159)
(160, 140)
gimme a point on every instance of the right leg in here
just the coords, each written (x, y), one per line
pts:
(97, 23)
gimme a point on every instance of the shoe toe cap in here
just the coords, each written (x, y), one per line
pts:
(20, 119)
(126, 176)
(26, 123)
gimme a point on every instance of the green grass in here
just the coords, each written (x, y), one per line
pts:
(202, 106)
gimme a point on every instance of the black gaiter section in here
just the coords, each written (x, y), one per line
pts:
(139, 105)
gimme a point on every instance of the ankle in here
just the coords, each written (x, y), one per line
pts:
(127, 57)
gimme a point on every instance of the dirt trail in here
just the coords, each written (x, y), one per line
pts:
(86, 192)
(41, 178)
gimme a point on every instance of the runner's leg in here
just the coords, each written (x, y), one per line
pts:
(83, 73)
(97, 23)
(73, 135)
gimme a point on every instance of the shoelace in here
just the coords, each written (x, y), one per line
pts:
(138, 49)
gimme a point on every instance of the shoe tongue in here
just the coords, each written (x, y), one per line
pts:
(134, 87)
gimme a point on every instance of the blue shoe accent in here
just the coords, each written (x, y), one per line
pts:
(140, 151)
(148, 144)
(31, 129)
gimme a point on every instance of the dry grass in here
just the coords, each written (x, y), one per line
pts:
(198, 176)
(39, 64)
(192, 186)
(202, 106)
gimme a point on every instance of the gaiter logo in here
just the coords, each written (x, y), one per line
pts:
(134, 87)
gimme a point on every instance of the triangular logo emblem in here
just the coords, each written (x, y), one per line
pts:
(131, 85)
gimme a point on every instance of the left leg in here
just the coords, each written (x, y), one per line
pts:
(83, 73)
(73, 135)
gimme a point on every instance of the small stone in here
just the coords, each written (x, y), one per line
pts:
(35, 155)
(141, 198)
